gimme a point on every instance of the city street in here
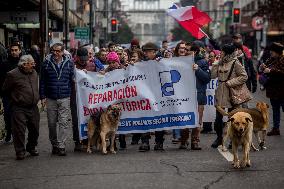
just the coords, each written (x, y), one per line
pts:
(173, 168)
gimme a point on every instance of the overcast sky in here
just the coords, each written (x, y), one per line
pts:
(163, 3)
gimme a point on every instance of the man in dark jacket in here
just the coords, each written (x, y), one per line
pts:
(57, 74)
(12, 63)
(21, 86)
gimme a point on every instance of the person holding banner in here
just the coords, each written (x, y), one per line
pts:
(202, 74)
(221, 70)
(82, 62)
(150, 51)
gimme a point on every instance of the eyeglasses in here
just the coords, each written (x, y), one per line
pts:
(57, 51)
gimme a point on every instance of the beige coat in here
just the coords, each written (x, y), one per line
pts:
(221, 71)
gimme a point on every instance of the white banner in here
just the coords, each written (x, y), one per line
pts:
(153, 95)
(209, 114)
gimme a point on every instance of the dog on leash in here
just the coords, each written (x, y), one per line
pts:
(260, 118)
(240, 128)
(102, 126)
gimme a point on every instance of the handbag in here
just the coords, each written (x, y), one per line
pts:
(238, 94)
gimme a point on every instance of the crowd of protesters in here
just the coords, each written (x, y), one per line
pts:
(21, 88)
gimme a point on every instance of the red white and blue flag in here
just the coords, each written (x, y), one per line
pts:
(190, 18)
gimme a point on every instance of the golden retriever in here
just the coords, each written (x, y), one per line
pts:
(240, 128)
(101, 126)
(260, 118)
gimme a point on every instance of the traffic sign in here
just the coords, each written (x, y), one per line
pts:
(257, 23)
(82, 33)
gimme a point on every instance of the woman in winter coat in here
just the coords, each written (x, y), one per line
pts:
(221, 71)
(274, 69)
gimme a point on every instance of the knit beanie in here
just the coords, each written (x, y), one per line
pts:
(112, 57)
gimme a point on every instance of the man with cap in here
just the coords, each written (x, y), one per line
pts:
(274, 69)
(21, 86)
(150, 51)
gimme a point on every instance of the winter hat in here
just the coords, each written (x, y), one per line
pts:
(228, 49)
(82, 53)
(150, 46)
(216, 52)
(135, 42)
(112, 57)
(277, 47)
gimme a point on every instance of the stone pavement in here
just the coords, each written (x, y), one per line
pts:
(173, 168)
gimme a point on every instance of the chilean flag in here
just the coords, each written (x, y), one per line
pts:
(190, 18)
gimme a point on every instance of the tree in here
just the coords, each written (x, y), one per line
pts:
(273, 10)
(124, 34)
(181, 34)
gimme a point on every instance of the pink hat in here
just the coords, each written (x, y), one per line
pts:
(217, 52)
(112, 57)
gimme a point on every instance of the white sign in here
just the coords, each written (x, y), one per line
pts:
(153, 95)
(209, 114)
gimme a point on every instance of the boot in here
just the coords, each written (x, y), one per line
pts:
(144, 147)
(195, 146)
(216, 143)
(273, 132)
(159, 147)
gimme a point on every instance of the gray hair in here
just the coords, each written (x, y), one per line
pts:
(25, 59)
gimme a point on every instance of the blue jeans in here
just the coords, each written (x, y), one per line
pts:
(276, 107)
(176, 133)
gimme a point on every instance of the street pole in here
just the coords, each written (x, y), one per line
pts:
(91, 21)
(43, 28)
(65, 23)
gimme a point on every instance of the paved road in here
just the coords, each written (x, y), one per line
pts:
(173, 168)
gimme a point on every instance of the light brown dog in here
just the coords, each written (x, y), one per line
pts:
(260, 118)
(103, 126)
(240, 127)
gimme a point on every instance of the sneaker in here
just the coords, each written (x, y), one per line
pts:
(274, 132)
(175, 141)
(159, 147)
(61, 152)
(55, 150)
(33, 152)
(20, 156)
(144, 147)
(8, 140)
(216, 143)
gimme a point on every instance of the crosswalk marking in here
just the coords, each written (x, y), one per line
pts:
(227, 155)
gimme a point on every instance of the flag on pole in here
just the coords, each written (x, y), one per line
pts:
(190, 18)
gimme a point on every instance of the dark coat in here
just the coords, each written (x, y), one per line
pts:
(21, 88)
(5, 67)
(203, 75)
(275, 83)
(56, 83)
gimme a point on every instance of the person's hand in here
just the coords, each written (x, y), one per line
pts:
(262, 66)
(266, 70)
(102, 72)
(131, 63)
(195, 67)
(43, 102)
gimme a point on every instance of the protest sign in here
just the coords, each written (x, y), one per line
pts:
(153, 95)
